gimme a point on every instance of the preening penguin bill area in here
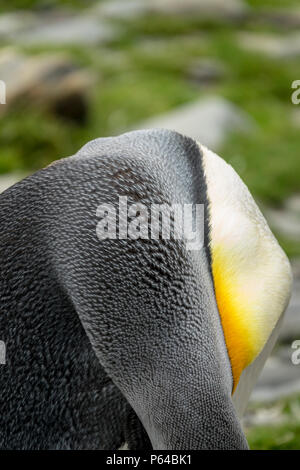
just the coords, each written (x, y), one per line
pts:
(141, 294)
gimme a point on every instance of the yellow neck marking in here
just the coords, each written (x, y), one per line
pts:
(242, 339)
(252, 275)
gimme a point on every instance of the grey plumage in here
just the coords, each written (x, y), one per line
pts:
(114, 340)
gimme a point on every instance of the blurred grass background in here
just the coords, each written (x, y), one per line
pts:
(143, 72)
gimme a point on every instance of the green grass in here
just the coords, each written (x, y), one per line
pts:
(291, 247)
(286, 437)
(39, 4)
(273, 3)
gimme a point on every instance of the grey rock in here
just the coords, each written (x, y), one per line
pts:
(14, 23)
(208, 120)
(51, 81)
(296, 268)
(121, 9)
(280, 378)
(290, 329)
(291, 324)
(80, 29)
(275, 46)
(206, 71)
(284, 222)
(264, 416)
(292, 204)
(295, 117)
(207, 9)
(281, 17)
(8, 180)
(56, 28)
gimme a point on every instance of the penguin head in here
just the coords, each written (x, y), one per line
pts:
(251, 273)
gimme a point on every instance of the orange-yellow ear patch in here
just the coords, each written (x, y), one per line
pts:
(251, 273)
(242, 339)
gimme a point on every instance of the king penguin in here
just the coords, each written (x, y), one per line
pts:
(142, 341)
